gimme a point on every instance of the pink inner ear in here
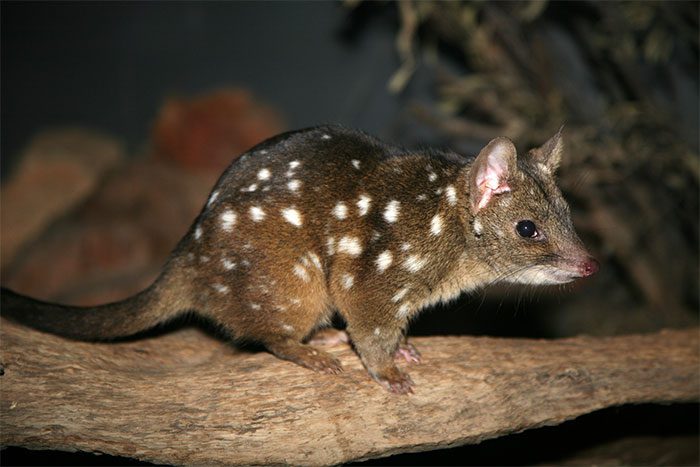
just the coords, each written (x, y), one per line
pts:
(492, 180)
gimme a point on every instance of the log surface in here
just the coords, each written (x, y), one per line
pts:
(189, 398)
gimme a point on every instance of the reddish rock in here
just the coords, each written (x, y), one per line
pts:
(210, 130)
(116, 241)
(56, 172)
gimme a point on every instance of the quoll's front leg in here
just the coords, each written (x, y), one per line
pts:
(376, 347)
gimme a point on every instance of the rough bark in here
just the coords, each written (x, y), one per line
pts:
(188, 398)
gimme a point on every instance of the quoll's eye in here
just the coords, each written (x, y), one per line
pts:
(526, 229)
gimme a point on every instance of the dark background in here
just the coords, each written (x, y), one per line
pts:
(110, 66)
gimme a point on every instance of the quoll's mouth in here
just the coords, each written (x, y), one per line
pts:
(562, 273)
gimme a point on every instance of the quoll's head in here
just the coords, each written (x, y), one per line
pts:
(520, 218)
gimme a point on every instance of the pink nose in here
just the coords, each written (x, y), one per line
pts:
(590, 267)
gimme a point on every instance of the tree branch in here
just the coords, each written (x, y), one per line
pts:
(188, 398)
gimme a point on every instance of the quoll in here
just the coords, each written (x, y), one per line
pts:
(327, 220)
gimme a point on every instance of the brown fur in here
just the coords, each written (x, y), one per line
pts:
(328, 219)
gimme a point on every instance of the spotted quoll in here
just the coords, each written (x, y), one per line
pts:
(328, 220)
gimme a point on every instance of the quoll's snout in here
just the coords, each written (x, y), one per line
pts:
(589, 267)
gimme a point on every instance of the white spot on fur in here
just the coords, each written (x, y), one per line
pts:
(228, 220)
(295, 301)
(421, 197)
(288, 327)
(300, 272)
(255, 306)
(405, 246)
(198, 232)
(391, 212)
(326, 136)
(292, 216)
(478, 228)
(377, 331)
(438, 191)
(330, 246)
(436, 225)
(293, 185)
(414, 263)
(257, 214)
(264, 174)
(350, 245)
(375, 236)
(356, 164)
(432, 176)
(340, 211)
(348, 280)
(451, 194)
(384, 260)
(294, 164)
(315, 259)
(262, 151)
(222, 289)
(250, 188)
(363, 204)
(203, 259)
(399, 295)
(227, 264)
(212, 198)
(403, 310)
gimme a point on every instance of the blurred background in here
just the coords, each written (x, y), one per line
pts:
(117, 118)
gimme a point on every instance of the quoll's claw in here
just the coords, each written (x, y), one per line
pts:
(408, 352)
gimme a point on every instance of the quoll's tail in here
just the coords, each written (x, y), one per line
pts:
(138, 313)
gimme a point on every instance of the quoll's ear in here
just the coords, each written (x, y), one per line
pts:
(549, 154)
(489, 174)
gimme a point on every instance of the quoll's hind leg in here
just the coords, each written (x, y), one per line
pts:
(304, 355)
(329, 337)
(376, 347)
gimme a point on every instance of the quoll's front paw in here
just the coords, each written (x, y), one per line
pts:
(396, 381)
(407, 352)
